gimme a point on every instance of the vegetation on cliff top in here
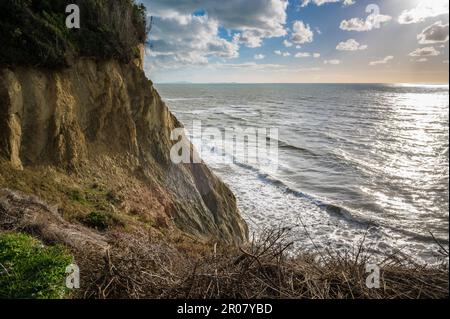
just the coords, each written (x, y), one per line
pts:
(34, 32)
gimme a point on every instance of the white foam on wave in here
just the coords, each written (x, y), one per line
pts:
(355, 159)
(266, 204)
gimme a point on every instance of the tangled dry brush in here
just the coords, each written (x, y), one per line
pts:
(139, 267)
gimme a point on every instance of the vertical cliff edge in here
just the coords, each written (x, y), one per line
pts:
(93, 140)
(85, 168)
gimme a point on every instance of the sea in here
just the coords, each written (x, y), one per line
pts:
(356, 164)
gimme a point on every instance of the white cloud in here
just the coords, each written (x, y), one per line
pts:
(264, 16)
(287, 44)
(249, 65)
(382, 61)
(249, 39)
(322, 2)
(349, 2)
(350, 45)
(435, 33)
(307, 55)
(427, 51)
(259, 56)
(281, 53)
(302, 55)
(179, 37)
(302, 33)
(425, 9)
(171, 45)
(373, 21)
(332, 62)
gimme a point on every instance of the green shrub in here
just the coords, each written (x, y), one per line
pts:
(76, 195)
(28, 269)
(34, 32)
(97, 220)
(101, 220)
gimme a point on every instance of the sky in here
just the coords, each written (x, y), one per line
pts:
(298, 41)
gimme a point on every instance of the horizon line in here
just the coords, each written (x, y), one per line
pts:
(326, 83)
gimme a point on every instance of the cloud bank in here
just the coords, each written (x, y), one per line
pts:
(189, 31)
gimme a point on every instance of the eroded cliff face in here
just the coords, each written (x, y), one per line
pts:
(106, 119)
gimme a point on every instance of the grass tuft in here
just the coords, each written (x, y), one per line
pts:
(30, 270)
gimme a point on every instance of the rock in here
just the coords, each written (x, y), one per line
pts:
(110, 114)
(10, 126)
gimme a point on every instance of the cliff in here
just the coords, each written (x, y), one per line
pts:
(94, 138)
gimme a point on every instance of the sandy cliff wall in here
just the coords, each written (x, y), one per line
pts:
(76, 118)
